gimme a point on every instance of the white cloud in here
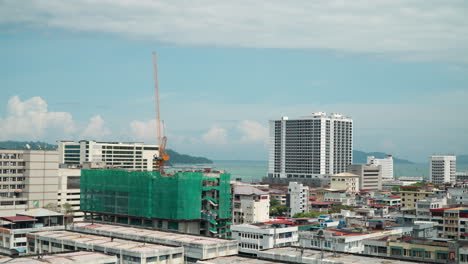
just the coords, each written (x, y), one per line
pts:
(143, 130)
(96, 129)
(409, 29)
(253, 131)
(31, 120)
(215, 136)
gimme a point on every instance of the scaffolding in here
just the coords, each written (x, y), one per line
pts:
(151, 195)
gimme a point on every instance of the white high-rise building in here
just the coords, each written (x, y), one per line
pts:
(386, 163)
(297, 199)
(309, 146)
(129, 156)
(442, 169)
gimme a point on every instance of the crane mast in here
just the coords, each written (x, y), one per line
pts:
(161, 139)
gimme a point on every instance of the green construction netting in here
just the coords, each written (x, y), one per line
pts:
(146, 194)
(224, 196)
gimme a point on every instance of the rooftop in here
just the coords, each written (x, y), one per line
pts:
(18, 218)
(328, 257)
(247, 190)
(107, 242)
(345, 174)
(182, 238)
(71, 257)
(39, 212)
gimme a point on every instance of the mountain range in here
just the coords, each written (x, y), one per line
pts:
(360, 157)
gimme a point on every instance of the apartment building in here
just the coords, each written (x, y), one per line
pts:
(370, 176)
(345, 181)
(128, 156)
(250, 205)
(386, 164)
(297, 199)
(423, 207)
(410, 195)
(28, 179)
(442, 169)
(313, 145)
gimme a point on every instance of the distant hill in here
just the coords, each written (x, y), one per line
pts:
(360, 157)
(21, 145)
(176, 158)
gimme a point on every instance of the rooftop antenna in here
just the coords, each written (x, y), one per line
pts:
(162, 140)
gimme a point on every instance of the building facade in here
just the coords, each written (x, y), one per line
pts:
(253, 238)
(28, 179)
(250, 205)
(370, 176)
(345, 181)
(386, 163)
(69, 192)
(128, 156)
(442, 169)
(297, 199)
(310, 146)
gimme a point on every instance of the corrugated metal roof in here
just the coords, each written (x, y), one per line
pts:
(19, 218)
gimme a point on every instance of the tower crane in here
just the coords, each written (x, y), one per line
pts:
(162, 139)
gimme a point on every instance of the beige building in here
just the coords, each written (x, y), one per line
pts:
(410, 195)
(370, 176)
(345, 181)
(250, 205)
(69, 192)
(28, 179)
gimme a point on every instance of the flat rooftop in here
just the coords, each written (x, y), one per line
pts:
(237, 260)
(133, 231)
(71, 257)
(277, 254)
(107, 242)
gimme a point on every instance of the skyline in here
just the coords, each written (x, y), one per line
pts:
(216, 97)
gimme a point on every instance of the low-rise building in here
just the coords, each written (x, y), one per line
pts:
(410, 195)
(345, 181)
(341, 198)
(250, 205)
(342, 240)
(13, 229)
(423, 207)
(127, 251)
(255, 237)
(413, 249)
(78, 257)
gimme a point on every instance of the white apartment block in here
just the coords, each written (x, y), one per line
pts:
(297, 199)
(345, 181)
(255, 237)
(386, 163)
(28, 179)
(250, 205)
(129, 156)
(442, 169)
(370, 176)
(309, 146)
(69, 191)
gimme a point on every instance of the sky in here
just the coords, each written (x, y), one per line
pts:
(75, 70)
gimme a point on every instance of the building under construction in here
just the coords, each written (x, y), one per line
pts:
(192, 202)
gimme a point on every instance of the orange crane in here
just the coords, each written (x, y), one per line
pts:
(162, 140)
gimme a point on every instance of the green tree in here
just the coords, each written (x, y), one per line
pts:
(337, 209)
(67, 208)
(278, 210)
(52, 207)
(274, 202)
(312, 214)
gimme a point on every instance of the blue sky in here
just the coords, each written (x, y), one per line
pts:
(83, 70)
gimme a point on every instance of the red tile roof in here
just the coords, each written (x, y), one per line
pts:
(19, 218)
